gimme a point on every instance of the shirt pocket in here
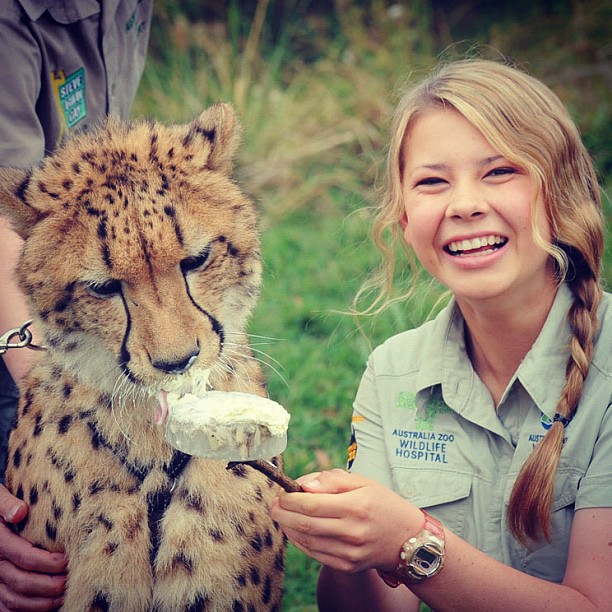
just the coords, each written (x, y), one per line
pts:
(445, 494)
(548, 560)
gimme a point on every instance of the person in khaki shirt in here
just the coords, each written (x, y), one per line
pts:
(480, 468)
(424, 424)
(67, 65)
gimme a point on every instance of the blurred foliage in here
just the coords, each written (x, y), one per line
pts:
(315, 81)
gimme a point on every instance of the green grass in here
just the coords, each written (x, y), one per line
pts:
(314, 90)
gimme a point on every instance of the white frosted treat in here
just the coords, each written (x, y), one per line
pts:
(226, 426)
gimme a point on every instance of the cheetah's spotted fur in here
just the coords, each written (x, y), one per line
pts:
(141, 264)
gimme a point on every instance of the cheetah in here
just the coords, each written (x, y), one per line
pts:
(141, 264)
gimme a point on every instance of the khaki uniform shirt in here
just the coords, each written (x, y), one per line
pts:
(425, 425)
(66, 64)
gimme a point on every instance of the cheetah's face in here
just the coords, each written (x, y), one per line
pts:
(142, 255)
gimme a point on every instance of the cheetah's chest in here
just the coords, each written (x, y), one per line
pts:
(141, 530)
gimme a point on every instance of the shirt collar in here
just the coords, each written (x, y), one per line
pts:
(62, 11)
(542, 372)
(444, 359)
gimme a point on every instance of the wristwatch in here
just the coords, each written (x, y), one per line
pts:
(421, 556)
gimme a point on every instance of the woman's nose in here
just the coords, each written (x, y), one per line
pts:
(466, 202)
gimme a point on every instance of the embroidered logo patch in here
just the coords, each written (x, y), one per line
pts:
(423, 443)
(424, 421)
(546, 422)
(70, 95)
(405, 399)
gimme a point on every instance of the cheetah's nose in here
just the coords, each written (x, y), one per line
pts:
(180, 366)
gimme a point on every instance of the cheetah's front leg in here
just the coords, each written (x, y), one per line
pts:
(110, 568)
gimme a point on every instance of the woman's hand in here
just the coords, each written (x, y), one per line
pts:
(347, 522)
(30, 578)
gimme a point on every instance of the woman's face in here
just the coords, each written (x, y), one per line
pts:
(468, 212)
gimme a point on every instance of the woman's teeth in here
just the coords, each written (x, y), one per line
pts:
(482, 245)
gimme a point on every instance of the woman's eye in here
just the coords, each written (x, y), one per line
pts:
(501, 171)
(196, 262)
(432, 180)
(106, 289)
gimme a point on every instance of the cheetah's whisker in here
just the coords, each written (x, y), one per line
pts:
(245, 354)
(272, 363)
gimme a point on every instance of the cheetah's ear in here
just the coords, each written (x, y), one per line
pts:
(14, 204)
(220, 127)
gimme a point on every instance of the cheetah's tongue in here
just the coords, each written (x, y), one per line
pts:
(161, 414)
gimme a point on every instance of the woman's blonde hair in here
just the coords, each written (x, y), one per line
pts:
(527, 124)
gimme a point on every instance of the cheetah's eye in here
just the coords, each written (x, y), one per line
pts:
(106, 289)
(189, 264)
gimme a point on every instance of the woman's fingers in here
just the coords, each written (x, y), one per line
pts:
(322, 494)
(336, 553)
(332, 481)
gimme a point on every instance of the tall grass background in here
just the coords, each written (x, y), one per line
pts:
(314, 84)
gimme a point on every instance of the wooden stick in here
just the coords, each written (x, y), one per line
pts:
(272, 472)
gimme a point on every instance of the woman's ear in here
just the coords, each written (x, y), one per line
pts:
(403, 221)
